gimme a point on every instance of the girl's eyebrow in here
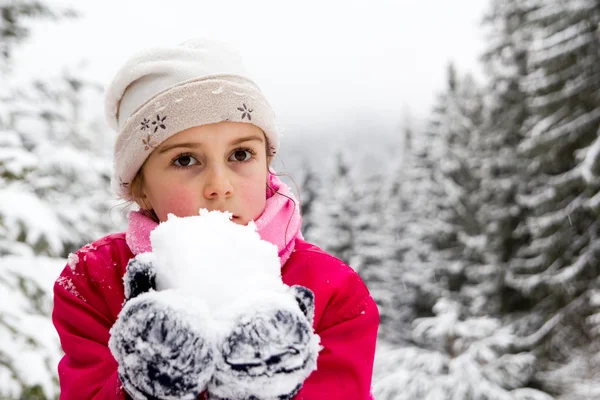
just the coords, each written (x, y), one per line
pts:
(193, 145)
(166, 148)
(247, 139)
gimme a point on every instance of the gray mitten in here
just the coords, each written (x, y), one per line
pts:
(269, 354)
(162, 350)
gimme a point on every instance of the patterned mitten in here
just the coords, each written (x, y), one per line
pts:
(163, 351)
(269, 354)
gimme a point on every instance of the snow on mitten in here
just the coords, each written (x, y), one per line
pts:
(163, 350)
(270, 352)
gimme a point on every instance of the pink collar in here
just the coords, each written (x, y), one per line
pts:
(279, 223)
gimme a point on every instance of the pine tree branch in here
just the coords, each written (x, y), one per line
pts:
(527, 343)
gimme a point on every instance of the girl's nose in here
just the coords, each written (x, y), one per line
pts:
(218, 185)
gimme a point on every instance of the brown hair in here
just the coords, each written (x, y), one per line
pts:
(137, 192)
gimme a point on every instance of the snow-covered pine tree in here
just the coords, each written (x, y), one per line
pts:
(309, 191)
(368, 238)
(54, 155)
(456, 354)
(543, 71)
(458, 237)
(334, 213)
(556, 270)
(375, 247)
(53, 198)
(27, 355)
(406, 222)
(502, 168)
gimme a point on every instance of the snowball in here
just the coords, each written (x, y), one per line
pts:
(216, 259)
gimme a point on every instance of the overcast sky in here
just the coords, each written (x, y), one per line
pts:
(326, 61)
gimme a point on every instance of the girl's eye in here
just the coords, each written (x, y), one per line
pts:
(241, 155)
(185, 160)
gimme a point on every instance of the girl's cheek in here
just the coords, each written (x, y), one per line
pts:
(182, 203)
(253, 194)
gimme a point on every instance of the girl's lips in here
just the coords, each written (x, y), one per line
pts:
(227, 211)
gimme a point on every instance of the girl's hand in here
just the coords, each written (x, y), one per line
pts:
(269, 354)
(160, 348)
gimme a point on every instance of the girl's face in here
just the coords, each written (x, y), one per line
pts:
(221, 166)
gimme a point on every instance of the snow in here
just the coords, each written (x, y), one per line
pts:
(572, 88)
(12, 158)
(552, 41)
(538, 81)
(585, 262)
(73, 260)
(29, 341)
(547, 123)
(589, 167)
(209, 269)
(564, 48)
(21, 209)
(67, 283)
(410, 373)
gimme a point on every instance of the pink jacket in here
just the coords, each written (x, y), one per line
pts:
(88, 298)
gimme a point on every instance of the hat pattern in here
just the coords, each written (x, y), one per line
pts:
(153, 126)
(246, 112)
(159, 122)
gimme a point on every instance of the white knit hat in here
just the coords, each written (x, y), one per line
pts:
(162, 91)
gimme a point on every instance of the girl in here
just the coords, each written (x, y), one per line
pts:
(195, 132)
